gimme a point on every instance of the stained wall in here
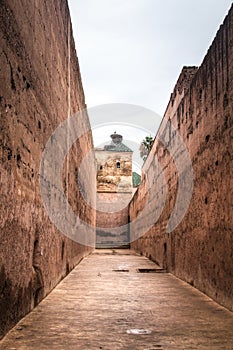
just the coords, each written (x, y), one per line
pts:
(199, 120)
(112, 218)
(40, 85)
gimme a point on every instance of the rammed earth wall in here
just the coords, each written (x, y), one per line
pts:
(40, 85)
(200, 249)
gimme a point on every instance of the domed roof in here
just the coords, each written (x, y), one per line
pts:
(116, 145)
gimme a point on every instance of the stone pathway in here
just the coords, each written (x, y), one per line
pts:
(99, 307)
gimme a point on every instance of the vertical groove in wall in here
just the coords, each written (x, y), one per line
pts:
(68, 112)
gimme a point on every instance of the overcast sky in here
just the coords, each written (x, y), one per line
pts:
(132, 51)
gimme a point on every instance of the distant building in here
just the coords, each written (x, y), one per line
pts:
(114, 192)
(114, 166)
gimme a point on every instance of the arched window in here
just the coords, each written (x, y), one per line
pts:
(101, 167)
(118, 165)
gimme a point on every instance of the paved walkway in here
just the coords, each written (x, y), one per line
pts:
(99, 307)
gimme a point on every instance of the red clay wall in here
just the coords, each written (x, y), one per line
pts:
(200, 249)
(112, 218)
(34, 100)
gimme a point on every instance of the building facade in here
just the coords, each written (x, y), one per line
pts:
(114, 192)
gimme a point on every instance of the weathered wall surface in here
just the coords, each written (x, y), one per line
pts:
(112, 218)
(110, 178)
(200, 249)
(40, 85)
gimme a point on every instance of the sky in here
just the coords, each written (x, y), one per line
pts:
(132, 51)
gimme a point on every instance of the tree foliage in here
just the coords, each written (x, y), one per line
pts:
(146, 146)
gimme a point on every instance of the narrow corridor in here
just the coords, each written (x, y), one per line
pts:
(112, 301)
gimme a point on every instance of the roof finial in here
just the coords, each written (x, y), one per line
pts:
(116, 138)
